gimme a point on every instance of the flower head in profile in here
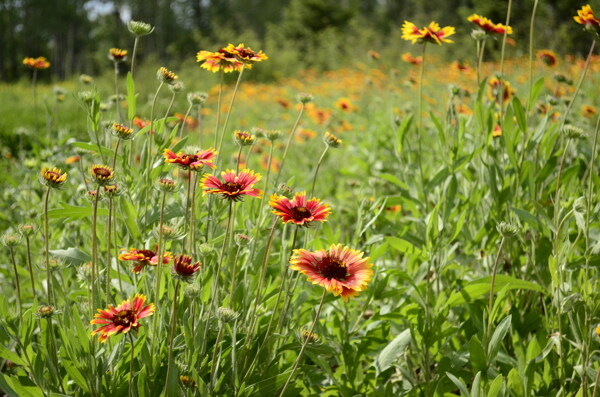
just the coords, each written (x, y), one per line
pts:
(431, 33)
(122, 131)
(246, 55)
(39, 63)
(298, 210)
(332, 140)
(140, 28)
(143, 258)
(340, 270)
(184, 269)
(102, 174)
(233, 187)
(507, 91)
(220, 60)
(488, 26)
(243, 138)
(117, 54)
(123, 318)
(191, 161)
(547, 57)
(53, 177)
(409, 58)
(585, 16)
(166, 76)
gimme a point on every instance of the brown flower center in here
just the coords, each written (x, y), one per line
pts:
(102, 172)
(148, 255)
(333, 268)
(231, 187)
(300, 213)
(124, 318)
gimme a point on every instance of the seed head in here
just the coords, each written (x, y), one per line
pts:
(197, 98)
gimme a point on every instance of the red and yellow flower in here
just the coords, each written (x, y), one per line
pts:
(143, 258)
(222, 59)
(300, 211)
(488, 26)
(507, 90)
(123, 318)
(431, 33)
(232, 187)
(53, 177)
(184, 268)
(585, 16)
(345, 105)
(36, 63)
(340, 270)
(117, 54)
(547, 57)
(246, 54)
(191, 161)
(409, 58)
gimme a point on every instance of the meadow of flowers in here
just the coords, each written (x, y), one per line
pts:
(411, 226)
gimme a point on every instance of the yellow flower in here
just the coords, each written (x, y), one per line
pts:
(431, 33)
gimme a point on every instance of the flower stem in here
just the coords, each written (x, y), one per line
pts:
(47, 250)
(149, 152)
(239, 156)
(214, 361)
(492, 282)
(172, 334)
(14, 263)
(117, 104)
(420, 125)
(229, 111)
(480, 52)
(132, 343)
(219, 110)
(114, 160)
(159, 250)
(314, 181)
(531, 31)
(502, 52)
(135, 45)
(183, 123)
(108, 257)
(306, 340)
(95, 275)
(289, 141)
(30, 266)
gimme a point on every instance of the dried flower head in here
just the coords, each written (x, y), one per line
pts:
(139, 28)
(102, 174)
(53, 177)
(166, 76)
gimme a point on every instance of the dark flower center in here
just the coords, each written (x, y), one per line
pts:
(124, 318)
(147, 255)
(231, 187)
(102, 172)
(300, 213)
(333, 268)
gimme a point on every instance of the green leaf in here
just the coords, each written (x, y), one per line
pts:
(404, 125)
(498, 337)
(403, 246)
(477, 354)
(12, 357)
(529, 218)
(460, 384)
(131, 218)
(476, 385)
(520, 114)
(392, 351)
(93, 148)
(73, 256)
(535, 91)
(131, 97)
(393, 179)
(75, 375)
(479, 288)
(496, 386)
(72, 212)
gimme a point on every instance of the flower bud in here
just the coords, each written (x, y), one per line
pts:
(331, 140)
(197, 98)
(507, 230)
(46, 311)
(305, 98)
(139, 28)
(226, 315)
(27, 229)
(573, 132)
(10, 239)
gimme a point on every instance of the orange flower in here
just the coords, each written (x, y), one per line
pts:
(409, 58)
(233, 187)
(72, 159)
(373, 54)
(460, 66)
(37, 63)
(586, 17)
(299, 210)
(497, 131)
(143, 258)
(547, 57)
(122, 319)
(340, 270)
(191, 161)
(345, 105)
(431, 33)
(488, 26)
(140, 123)
(588, 111)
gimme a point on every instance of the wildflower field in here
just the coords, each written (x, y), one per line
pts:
(415, 226)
